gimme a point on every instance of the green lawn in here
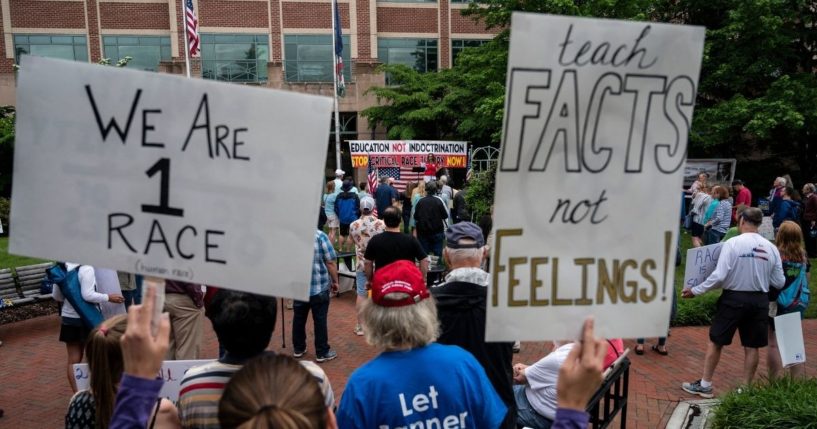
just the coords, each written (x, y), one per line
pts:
(10, 261)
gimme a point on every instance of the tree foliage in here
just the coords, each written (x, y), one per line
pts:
(755, 97)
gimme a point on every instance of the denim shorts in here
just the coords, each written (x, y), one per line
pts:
(361, 284)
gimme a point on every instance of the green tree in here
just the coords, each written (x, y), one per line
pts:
(755, 97)
(757, 88)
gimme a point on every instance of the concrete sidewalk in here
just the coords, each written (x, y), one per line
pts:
(34, 390)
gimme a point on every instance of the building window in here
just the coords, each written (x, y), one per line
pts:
(310, 58)
(234, 57)
(419, 54)
(146, 51)
(457, 46)
(43, 45)
(408, 1)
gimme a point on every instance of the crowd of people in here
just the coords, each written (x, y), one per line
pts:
(419, 378)
(758, 277)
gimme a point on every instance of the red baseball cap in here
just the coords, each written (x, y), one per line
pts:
(398, 277)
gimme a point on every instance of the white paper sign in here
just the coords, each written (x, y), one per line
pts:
(171, 373)
(789, 332)
(700, 263)
(766, 229)
(597, 114)
(186, 179)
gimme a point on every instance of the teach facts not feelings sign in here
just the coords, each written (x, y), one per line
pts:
(184, 179)
(597, 114)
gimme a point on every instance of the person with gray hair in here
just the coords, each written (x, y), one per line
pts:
(446, 190)
(428, 384)
(461, 303)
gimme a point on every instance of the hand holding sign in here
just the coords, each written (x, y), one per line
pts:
(581, 373)
(167, 177)
(142, 352)
(597, 114)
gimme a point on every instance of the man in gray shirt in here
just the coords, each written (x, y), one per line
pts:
(748, 264)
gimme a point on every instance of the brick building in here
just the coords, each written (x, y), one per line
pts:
(275, 43)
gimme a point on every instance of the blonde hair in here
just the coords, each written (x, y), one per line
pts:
(272, 391)
(419, 190)
(789, 242)
(104, 353)
(394, 328)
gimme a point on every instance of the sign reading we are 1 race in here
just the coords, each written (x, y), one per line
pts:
(597, 114)
(169, 177)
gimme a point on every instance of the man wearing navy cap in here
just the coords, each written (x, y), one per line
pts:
(461, 302)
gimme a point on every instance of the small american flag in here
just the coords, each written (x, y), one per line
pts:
(192, 29)
(371, 178)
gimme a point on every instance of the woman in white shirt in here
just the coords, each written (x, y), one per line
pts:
(73, 331)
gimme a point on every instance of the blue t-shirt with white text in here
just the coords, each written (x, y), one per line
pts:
(436, 386)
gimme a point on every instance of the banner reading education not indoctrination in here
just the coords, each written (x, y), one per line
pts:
(408, 153)
(597, 114)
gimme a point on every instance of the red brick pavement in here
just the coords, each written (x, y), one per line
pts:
(34, 390)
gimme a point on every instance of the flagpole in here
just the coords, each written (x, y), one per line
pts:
(186, 41)
(335, 86)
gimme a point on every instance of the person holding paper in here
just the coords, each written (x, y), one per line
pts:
(92, 408)
(789, 241)
(73, 331)
(747, 266)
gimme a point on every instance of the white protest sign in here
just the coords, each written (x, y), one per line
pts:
(766, 229)
(789, 333)
(597, 114)
(700, 263)
(186, 179)
(171, 373)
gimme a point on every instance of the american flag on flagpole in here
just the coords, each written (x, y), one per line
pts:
(338, 42)
(192, 24)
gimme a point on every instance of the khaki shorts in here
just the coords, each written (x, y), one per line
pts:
(332, 221)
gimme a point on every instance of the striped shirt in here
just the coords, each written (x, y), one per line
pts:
(202, 386)
(722, 217)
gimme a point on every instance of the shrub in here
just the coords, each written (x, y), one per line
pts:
(5, 208)
(782, 403)
(480, 192)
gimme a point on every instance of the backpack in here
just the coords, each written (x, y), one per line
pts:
(795, 296)
(68, 282)
(346, 206)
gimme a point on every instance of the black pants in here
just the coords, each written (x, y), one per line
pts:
(319, 304)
